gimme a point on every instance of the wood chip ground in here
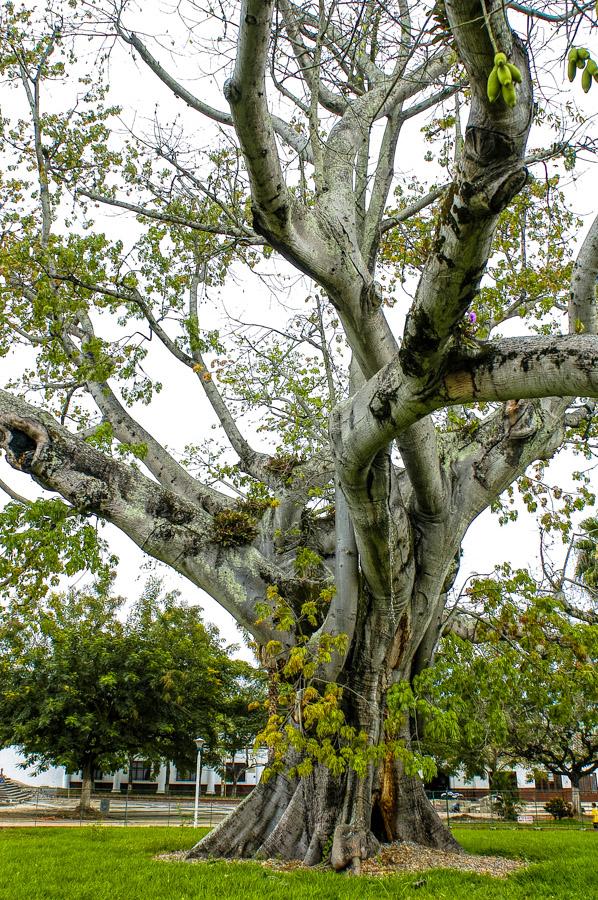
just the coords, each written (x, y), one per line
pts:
(394, 859)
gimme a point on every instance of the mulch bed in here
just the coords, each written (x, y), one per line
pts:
(395, 859)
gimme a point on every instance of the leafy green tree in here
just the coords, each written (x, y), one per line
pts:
(423, 368)
(587, 554)
(83, 689)
(243, 716)
(519, 686)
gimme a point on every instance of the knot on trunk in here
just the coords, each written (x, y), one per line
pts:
(23, 440)
(350, 845)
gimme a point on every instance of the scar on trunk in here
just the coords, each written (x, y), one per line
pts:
(459, 386)
(520, 419)
(23, 440)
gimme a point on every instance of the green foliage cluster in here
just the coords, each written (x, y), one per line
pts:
(233, 527)
(559, 808)
(586, 548)
(525, 689)
(312, 722)
(83, 687)
(45, 541)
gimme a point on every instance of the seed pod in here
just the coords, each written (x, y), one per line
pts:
(580, 62)
(515, 73)
(572, 55)
(592, 66)
(586, 80)
(504, 75)
(500, 59)
(493, 86)
(583, 53)
(572, 69)
(509, 95)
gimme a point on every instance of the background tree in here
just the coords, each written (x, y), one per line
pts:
(334, 533)
(243, 716)
(519, 685)
(587, 555)
(82, 689)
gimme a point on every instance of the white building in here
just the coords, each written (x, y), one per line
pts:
(143, 778)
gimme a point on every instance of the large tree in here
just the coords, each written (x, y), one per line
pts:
(378, 436)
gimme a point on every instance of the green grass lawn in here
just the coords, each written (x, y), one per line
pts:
(99, 863)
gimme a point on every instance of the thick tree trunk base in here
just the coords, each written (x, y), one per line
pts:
(402, 811)
(321, 817)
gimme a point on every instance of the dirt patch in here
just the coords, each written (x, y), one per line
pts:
(394, 859)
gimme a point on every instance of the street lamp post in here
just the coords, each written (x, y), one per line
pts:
(199, 742)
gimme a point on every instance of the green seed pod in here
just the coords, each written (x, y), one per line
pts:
(591, 66)
(572, 55)
(580, 63)
(515, 73)
(509, 95)
(504, 75)
(572, 69)
(500, 59)
(493, 86)
(586, 80)
(583, 53)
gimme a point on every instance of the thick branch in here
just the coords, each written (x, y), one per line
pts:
(163, 524)
(489, 174)
(246, 94)
(509, 369)
(583, 314)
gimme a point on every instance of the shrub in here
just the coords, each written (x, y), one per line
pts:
(559, 808)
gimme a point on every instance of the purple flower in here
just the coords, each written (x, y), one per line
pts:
(472, 317)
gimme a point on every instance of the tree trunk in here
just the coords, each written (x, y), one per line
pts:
(86, 787)
(342, 818)
(575, 795)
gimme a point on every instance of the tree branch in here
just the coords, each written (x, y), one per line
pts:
(282, 128)
(583, 315)
(162, 523)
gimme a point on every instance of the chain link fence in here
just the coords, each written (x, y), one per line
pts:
(511, 808)
(51, 806)
(48, 806)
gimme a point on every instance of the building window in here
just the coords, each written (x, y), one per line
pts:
(98, 775)
(588, 783)
(141, 770)
(549, 783)
(504, 781)
(235, 773)
(185, 775)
